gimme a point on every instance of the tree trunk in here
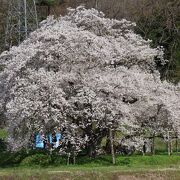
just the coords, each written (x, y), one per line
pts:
(108, 145)
(112, 146)
(48, 10)
(91, 149)
(96, 4)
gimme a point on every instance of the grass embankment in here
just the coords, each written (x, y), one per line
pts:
(40, 165)
(129, 167)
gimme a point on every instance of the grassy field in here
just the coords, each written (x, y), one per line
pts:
(93, 173)
(78, 173)
(40, 165)
(127, 168)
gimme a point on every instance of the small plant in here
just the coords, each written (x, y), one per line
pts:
(3, 132)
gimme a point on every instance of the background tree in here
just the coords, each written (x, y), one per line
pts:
(156, 20)
(3, 13)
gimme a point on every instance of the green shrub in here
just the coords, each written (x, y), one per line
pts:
(36, 159)
(12, 158)
(3, 145)
(3, 132)
(58, 160)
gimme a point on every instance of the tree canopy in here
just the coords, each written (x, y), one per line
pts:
(85, 74)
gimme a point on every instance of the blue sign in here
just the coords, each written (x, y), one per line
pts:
(39, 141)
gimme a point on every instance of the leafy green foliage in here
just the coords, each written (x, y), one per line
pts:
(11, 159)
(3, 134)
(3, 144)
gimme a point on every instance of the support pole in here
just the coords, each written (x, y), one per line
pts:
(169, 145)
(153, 145)
(176, 143)
(74, 159)
(68, 158)
(112, 146)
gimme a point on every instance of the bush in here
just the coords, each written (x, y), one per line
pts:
(30, 158)
(12, 158)
(3, 145)
(37, 159)
(58, 160)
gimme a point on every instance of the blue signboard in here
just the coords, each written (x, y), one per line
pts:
(39, 141)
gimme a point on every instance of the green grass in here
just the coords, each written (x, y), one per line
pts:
(43, 159)
(97, 169)
(100, 168)
(79, 172)
(137, 162)
(38, 164)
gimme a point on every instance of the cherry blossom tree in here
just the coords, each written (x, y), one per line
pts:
(88, 75)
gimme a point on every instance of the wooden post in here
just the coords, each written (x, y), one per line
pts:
(112, 146)
(74, 158)
(176, 143)
(68, 158)
(169, 145)
(153, 145)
